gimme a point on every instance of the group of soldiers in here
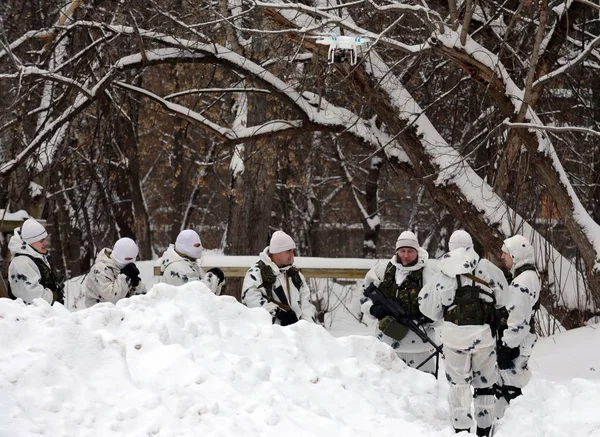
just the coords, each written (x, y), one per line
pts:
(483, 314)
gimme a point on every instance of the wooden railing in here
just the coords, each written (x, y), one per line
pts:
(237, 266)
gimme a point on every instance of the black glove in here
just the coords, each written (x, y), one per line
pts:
(506, 355)
(379, 311)
(286, 317)
(218, 273)
(133, 274)
(423, 320)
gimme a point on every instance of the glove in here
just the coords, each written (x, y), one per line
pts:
(424, 320)
(286, 317)
(270, 307)
(132, 273)
(506, 355)
(218, 273)
(378, 311)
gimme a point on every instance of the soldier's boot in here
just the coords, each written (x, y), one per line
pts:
(484, 432)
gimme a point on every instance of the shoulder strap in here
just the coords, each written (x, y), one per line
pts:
(268, 278)
(388, 282)
(525, 268)
(294, 273)
(479, 281)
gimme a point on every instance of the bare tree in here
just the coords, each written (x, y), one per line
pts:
(441, 91)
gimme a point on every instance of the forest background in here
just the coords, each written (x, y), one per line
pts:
(143, 118)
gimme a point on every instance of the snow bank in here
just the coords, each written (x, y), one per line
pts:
(180, 361)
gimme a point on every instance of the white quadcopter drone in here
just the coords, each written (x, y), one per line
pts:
(339, 45)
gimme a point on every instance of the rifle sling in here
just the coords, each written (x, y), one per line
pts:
(476, 279)
(283, 302)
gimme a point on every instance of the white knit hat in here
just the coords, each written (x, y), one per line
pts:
(458, 239)
(407, 239)
(188, 242)
(280, 242)
(32, 231)
(125, 251)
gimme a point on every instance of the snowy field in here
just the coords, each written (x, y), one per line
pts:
(180, 361)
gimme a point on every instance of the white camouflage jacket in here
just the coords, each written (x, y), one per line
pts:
(253, 295)
(23, 275)
(179, 270)
(525, 292)
(439, 293)
(106, 283)
(411, 342)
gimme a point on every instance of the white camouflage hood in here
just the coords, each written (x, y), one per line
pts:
(520, 250)
(459, 261)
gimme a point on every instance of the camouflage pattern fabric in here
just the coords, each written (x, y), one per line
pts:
(407, 293)
(47, 280)
(469, 308)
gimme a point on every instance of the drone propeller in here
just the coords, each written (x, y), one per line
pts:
(361, 40)
(327, 41)
(343, 39)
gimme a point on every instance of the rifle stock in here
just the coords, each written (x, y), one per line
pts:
(281, 296)
(282, 306)
(399, 313)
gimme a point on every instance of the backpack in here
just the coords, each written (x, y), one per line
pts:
(469, 308)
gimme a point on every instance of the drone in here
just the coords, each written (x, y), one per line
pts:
(342, 44)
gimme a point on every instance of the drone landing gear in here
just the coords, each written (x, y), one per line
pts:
(342, 55)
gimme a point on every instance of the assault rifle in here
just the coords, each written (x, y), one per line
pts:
(395, 310)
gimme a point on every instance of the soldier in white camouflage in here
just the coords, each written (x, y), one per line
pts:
(401, 279)
(462, 299)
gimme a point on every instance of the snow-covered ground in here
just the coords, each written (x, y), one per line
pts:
(180, 361)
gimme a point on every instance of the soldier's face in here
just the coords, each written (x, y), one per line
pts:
(407, 255)
(507, 260)
(283, 258)
(41, 246)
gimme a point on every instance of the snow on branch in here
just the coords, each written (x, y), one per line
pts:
(589, 3)
(584, 130)
(79, 104)
(569, 64)
(48, 75)
(320, 114)
(24, 38)
(453, 168)
(305, 24)
(270, 127)
(216, 90)
(318, 111)
(48, 130)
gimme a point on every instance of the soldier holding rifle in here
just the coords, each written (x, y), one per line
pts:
(400, 281)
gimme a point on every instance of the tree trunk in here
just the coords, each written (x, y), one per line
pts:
(373, 222)
(548, 167)
(129, 145)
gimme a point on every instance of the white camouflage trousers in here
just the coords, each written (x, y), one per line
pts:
(413, 359)
(517, 377)
(476, 368)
